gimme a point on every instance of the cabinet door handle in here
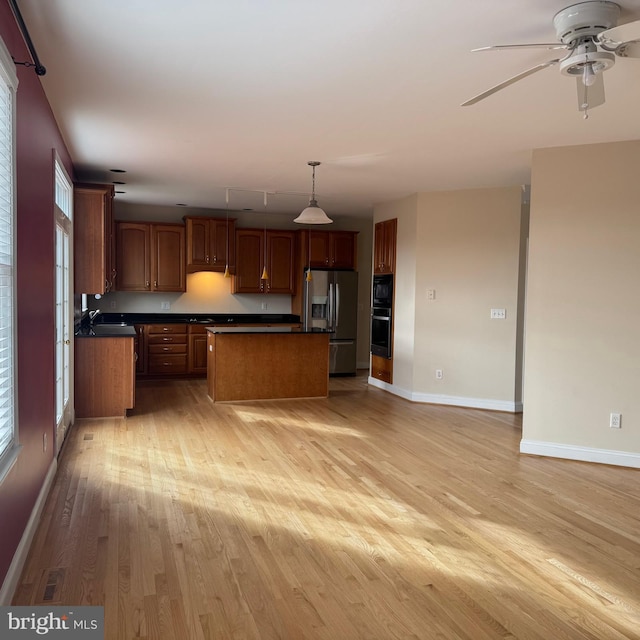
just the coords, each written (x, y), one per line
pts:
(147, 284)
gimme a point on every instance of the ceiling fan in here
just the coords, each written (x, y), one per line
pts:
(588, 31)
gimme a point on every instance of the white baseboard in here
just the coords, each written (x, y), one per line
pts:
(584, 454)
(20, 556)
(455, 401)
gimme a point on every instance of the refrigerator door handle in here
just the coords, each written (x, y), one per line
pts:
(330, 309)
(337, 309)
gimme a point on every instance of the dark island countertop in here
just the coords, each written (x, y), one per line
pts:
(272, 329)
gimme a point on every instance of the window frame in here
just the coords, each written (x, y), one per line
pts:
(9, 78)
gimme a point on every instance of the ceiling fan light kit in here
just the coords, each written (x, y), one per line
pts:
(588, 31)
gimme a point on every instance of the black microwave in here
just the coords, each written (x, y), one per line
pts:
(383, 290)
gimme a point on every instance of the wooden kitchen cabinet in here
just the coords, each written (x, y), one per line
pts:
(382, 369)
(332, 249)
(104, 376)
(384, 249)
(166, 349)
(251, 258)
(150, 257)
(207, 243)
(140, 346)
(94, 246)
(197, 360)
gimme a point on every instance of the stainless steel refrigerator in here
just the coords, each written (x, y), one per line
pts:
(331, 304)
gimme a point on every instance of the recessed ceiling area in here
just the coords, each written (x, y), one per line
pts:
(195, 97)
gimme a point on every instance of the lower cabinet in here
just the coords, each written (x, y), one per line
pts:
(166, 349)
(104, 376)
(197, 361)
(382, 369)
(171, 350)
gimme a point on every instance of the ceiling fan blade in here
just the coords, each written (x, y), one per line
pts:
(590, 97)
(613, 38)
(500, 47)
(629, 50)
(506, 83)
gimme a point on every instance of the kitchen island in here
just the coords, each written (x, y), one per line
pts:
(260, 363)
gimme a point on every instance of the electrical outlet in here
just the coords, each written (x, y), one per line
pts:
(265, 306)
(498, 314)
(112, 304)
(615, 420)
(165, 305)
(431, 294)
(439, 374)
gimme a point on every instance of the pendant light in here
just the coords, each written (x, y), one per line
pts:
(265, 274)
(313, 214)
(227, 274)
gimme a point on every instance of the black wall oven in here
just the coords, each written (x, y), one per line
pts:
(381, 332)
(383, 291)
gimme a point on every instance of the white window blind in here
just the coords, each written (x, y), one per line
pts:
(8, 85)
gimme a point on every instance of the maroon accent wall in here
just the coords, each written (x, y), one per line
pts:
(37, 136)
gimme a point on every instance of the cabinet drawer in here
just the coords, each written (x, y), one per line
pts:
(382, 369)
(155, 339)
(167, 348)
(167, 363)
(167, 328)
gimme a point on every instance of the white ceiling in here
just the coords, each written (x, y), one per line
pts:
(195, 96)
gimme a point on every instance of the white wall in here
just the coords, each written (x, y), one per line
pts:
(465, 245)
(582, 351)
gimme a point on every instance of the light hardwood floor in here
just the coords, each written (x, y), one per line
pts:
(357, 516)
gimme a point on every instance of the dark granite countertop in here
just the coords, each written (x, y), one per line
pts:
(292, 330)
(105, 331)
(197, 318)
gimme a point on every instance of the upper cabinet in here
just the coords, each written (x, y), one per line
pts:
(94, 271)
(150, 257)
(208, 240)
(276, 252)
(384, 249)
(332, 249)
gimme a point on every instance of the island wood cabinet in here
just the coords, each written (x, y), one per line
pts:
(94, 247)
(331, 249)
(208, 240)
(104, 376)
(384, 246)
(254, 252)
(150, 257)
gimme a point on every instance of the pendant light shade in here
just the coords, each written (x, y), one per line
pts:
(313, 214)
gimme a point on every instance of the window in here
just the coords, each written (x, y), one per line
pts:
(8, 430)
(64, 308)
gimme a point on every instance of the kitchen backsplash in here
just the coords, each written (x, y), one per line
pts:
(206, 293)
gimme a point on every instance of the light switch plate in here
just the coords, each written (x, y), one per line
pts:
(498, 314)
